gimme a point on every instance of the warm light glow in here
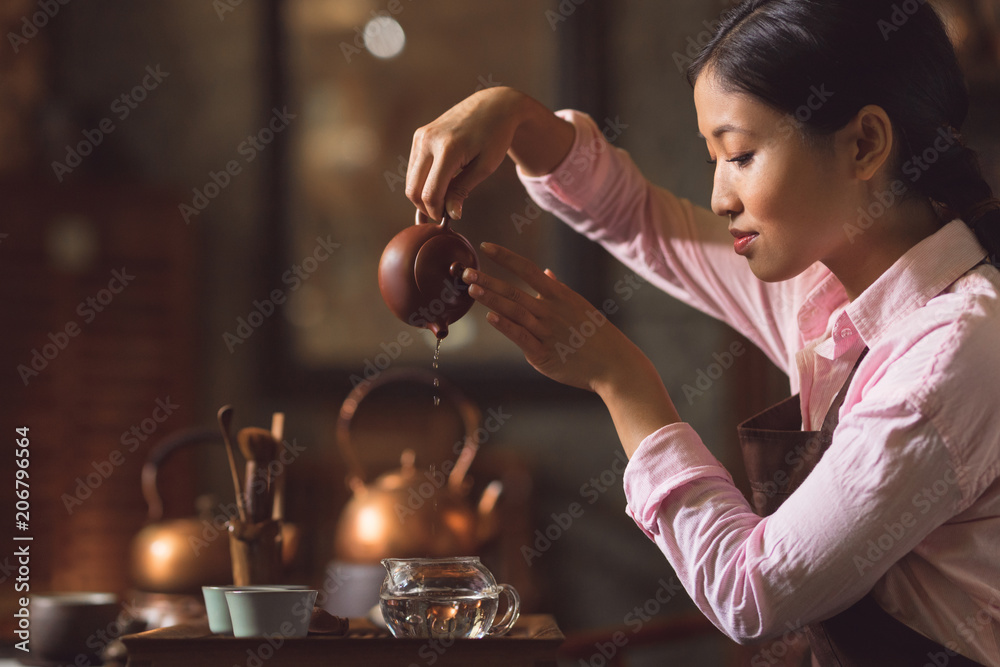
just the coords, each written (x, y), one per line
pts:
(371, 525)
(384, 37)
(457, 523)
(161, 548)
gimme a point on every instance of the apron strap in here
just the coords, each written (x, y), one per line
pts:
(833, 414)
(778, 455)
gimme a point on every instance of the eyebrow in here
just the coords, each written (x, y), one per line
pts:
(722, 129)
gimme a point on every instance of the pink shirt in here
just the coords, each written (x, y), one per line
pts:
(905, 503)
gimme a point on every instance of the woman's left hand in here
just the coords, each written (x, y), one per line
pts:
(566, 338)
(561, 334)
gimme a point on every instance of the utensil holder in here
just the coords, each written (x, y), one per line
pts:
(255, 549)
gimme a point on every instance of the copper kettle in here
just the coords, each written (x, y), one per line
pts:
(411, 512)
(180, 555)
(420, 275)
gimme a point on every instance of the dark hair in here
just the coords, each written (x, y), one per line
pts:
(821, 61)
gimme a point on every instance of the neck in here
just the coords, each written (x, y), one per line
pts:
(873, 251)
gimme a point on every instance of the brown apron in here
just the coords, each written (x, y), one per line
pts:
(778, 457)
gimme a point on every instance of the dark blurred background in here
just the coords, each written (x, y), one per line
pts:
(168, 166)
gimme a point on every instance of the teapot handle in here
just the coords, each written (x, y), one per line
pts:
(467, 410)
(159, 453)
(444, 223)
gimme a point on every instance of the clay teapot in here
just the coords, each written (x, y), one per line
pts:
(420, 275)
(411, 512)
(182, 555)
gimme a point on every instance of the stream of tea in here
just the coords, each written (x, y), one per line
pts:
(437, 383)
(437, 401)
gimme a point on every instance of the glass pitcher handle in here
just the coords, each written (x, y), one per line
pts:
(504, 625)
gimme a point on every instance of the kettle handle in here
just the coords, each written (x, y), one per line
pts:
(159, 453)
(467, 410)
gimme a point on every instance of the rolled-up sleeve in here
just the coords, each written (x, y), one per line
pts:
(858, 513)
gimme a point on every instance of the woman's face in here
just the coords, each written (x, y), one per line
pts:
(790, 203)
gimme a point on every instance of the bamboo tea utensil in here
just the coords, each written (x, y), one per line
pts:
(225, 422)
(276, 487)
(259, 449)
(278, 426)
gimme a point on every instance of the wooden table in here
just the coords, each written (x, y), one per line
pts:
(531, 643)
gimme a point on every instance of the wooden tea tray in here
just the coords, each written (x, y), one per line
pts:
(532, 642)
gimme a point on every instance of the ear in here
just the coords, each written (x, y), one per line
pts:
(868, 141)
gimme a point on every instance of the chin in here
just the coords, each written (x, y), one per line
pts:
(770, 272)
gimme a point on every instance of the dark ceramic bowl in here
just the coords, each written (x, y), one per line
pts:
(65, 626)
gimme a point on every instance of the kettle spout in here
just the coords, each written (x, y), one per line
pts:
(488, 501)
(487, 525)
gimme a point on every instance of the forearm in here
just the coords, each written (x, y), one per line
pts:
(636, 398)
(541, 140)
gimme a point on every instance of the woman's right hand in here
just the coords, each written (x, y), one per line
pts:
(456, 152)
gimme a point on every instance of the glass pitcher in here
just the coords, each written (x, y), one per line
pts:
(444, 598)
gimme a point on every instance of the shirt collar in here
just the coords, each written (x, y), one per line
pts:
(923, 272)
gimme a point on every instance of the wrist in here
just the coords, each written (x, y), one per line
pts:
(636, 398)
(541, 138)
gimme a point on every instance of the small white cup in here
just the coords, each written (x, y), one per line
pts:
(260, 612)
(217, 609)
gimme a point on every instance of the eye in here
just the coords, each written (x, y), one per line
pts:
(742, 160)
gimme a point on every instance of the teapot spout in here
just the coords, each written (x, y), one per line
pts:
(440, 329)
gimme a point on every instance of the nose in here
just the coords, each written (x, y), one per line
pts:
(725, 201)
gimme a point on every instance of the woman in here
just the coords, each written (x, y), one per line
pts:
(851, 238)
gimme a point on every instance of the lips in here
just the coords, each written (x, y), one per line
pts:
(743, 240)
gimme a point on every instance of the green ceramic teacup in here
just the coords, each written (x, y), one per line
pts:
(217, 609)
(271, 612)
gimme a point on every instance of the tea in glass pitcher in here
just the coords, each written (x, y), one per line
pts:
(444, 598)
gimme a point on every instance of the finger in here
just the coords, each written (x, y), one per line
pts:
(531, 346)
(522, 267)
(487, 286)
(550, 274)
(416, 177)
(439, 177)
(514, 307)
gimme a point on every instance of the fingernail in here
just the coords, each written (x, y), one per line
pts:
(469, 276)
(488, 247)
(492, 318)
(476, 291)
(455, 210)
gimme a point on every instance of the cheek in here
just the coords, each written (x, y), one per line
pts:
(794, 191)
